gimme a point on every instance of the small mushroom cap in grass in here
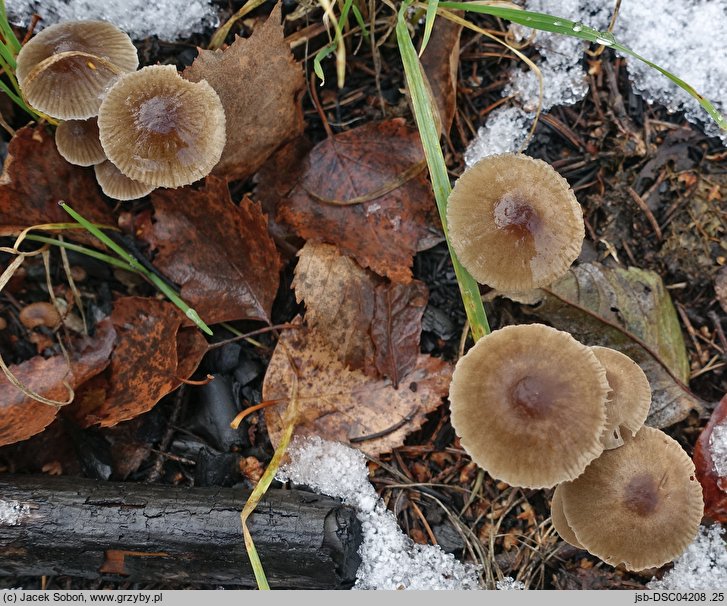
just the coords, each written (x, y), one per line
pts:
(65, 69)
(630, 397)
(117, 185)
(514, 222)
(77, 141)
(560, 523)
(639, 505)
(529, 404)
(161, 129)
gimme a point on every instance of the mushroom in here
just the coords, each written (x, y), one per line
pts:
(161, 129)
(529, 404)
(514, 222)
(77, 141)
(629, 403)
(639, 505)
(65, 69)
(557, 517)
(117, 185)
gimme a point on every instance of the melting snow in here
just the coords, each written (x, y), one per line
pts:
(718, 448)
(509, 584)
(12, 512)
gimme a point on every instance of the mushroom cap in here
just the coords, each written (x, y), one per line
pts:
(77, 141)
(117, 185)
(161, 129)
(639, 505)
(529, 404)
(514, 222)
(64, 70)
(560, 523)
(630, 398)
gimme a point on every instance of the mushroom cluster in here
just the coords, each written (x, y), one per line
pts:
(138, 129)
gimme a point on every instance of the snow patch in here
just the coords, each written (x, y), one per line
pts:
(718, 448)
(390, 559)
(12, 512)
(509, 584)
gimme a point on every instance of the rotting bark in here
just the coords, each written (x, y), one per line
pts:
(80, 527)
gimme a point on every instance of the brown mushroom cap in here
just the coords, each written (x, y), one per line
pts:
(77, 141)
(630, 398)
(638, 505)
(117, 185)
(161, 129)
(529, 404)
(65, 69)
(560, 523)
(514, 222)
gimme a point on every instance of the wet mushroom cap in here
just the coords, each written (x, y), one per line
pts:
(560, 523)
(630, 398)
(639, 505)
(77, 141)
(514, 222)
(161, 129)
(65, 69)
(529, 404)
(117, 185)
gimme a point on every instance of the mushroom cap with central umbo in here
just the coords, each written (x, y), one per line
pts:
(161, 129)
(529, 404)
(514, 222)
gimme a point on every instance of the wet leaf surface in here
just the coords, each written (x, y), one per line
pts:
(365, 190)
(714, 485)
(220, 254)
(22, 417)
(340, 404)
(260, 86)
(599, 305)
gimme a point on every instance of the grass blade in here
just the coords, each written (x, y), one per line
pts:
(429, 24)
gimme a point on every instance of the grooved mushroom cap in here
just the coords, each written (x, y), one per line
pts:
(65, 69)
(560, 523)
(529, 404)
(638, 505)
(117, 185)
(161, 129)
(514, 222)
(630, 398)
(77, 141)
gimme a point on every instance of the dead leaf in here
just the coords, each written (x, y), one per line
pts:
(714, 485)
(720, 288)
(371, 324)
(365, 191)
(340, 404)
(22, 417)
(260, 85)
(35, 178)
(220, 254)
(634, 302)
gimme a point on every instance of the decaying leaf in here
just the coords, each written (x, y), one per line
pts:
(220, 254)
(634, 301)
(365, 190)
(35, 178)
(345, 405)
(712, 479)
(145, 365)
(371, 324)
(22, 417)
(720, 288)
(260, 86)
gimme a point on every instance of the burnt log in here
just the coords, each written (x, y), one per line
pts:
(169, 534)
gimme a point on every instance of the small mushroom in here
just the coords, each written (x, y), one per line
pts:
(560, 523)
(65, 69)
(630, 398)
(529, 404)
(117, 185)
(40, 313)
(514, 222)
(77, 141)
(161, 129)
(639, 505)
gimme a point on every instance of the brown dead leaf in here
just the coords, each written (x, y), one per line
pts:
(220, 254)
(22, 417)
(35, 178)
(145, 365)
(365, 190)
(260, 85)
(714, 484)
(371, 324)
(340, 404)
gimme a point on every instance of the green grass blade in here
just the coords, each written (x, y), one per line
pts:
(7, 32)
(558, 25)
(320, 55)
(360, 20)
(429, 24)
(424, 115)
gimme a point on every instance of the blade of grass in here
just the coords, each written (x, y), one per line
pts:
(7, 32)
(424, 115)
(218, 38)
(360, 20)
(429, 24)
(340, 46)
